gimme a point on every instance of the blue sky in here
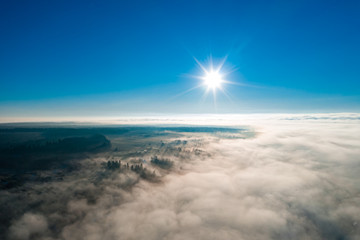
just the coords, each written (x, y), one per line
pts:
(85, 58)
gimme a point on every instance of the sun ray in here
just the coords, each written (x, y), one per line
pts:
(200, 65)
(226, 94)
(187, 91)
(221, 63)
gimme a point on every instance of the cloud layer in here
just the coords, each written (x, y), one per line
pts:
(297, 178)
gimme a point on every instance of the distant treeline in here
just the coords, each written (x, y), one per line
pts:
(162, 163)
(137, 168)
(65, 145)
(61, 131)
(40, 154)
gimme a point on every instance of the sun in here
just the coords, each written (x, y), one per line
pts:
(213, 79)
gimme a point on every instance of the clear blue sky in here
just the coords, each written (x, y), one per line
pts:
(133, 57)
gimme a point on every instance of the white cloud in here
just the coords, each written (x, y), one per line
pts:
(28, 225)
(296, 179)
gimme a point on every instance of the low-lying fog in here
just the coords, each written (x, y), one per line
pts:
(273, 177)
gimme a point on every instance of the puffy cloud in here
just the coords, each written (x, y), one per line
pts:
(294, 179)
(29, 224)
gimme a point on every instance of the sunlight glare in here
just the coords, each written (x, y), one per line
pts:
(213, 79)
